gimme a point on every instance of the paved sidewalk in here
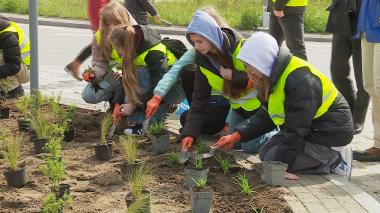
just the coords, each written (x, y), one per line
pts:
(173, 30)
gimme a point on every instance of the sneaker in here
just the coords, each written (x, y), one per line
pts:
(16, 93)
(73, 70)
(344, 168)
(137, 130)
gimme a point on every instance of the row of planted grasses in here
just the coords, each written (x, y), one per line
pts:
(240, 14)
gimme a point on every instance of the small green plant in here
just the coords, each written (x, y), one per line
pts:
(23, 105)
(105, 125)
(200, 182)
(5, 85)
(11, 149)
(40, 124)
(198, 163)
(54, 146)
(224, 163)
(140, 204)
(54, 170)
(254, 209)
(242, 181)
(155, 129)
(173, 159)
(201, 146)
(128, 148)
(137, 179)
(52, 204)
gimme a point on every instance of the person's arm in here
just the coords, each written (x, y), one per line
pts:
(147, 5)
(200, 101)
(279, 5)
(11, 54)
(171, 77)
(99, 63)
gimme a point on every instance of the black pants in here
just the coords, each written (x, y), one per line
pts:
(215, 114)
(343, 47)
(290, 29)
(85, 53)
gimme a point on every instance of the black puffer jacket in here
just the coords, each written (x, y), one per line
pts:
(202, 89)
(11, 50)
(303, 97)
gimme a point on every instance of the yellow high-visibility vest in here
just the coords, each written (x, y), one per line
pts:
(23, 41)
(276, 108)
(295, 3)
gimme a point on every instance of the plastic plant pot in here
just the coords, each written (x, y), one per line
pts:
(274, 172)
(15, 178)
(4, 113)
(201, 199)
(39, 145)
(161, 144)
(23, 125)
(104, 152)
(129, 199)
(191, 174)
(127, 168)
(69, 135)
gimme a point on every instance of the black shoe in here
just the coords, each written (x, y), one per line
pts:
(367, 155)
(134, 131)
(17, 92)
(358, 128)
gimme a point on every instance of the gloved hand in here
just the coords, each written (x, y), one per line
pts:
(228, 141)
(186, 143)
(117, 113)
(88, 76)
(152, 105)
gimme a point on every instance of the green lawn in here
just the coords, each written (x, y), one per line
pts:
(240, 14)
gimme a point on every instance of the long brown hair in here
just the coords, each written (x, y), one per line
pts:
(263, 86)
(116, 14)
(124, 36)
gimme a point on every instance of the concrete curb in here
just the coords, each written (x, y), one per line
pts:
(175, 30)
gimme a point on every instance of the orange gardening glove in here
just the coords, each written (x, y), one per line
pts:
(117, 113)
(228, 142)
(88, 76)
(186, 143)
(152, 106)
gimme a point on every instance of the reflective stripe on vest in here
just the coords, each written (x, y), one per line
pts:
(248, 102)
(295, 3)
(277, 97)
(23, 41)
(140, 59)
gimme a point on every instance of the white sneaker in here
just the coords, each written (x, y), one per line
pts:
(134, 131)
(345, 166)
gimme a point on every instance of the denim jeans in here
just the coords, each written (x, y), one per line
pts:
(251, 146)
(138, 116)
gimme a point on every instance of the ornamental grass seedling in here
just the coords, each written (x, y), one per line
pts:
(128, 148)
(11, 149)
(23, 105)
(198, 163)
(155, 129)
(254, 209)
(242, 181)
(105, 125)
(200, 182)
(40, 124)
(140, 204)
(201, 146)
(173, 158)
(137, 179)
(224, 163)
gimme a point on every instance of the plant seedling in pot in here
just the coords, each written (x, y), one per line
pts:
(14, 175)
(198, 171)
(104, 149)
(23, 105)
(224, 163)
(136, 186)
(159, 137)
(201, 196)
(54, 204)
(40, 125)
(201, 147)
(127, 146)
(242, 181)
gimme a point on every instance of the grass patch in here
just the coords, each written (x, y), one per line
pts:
(240, 14)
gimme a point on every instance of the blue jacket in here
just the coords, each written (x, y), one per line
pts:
(172, 76)
(369, 20)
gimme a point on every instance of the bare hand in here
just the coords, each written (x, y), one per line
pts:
(291, 176)
(128, 109)
(226, 73)
(278, 13)
(117, 75)
(157, 18)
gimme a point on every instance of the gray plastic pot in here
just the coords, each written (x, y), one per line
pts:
(15, 178)
(104, 152)
(126, 168)
(191, 174)
(160, 145)
(201, 201)
(129, 199)
(274, 172)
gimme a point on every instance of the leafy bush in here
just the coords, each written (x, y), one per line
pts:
(54, 170)
(52, 204)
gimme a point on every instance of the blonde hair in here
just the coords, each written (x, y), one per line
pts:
(116, 14)
(213, 12)
(124, 36)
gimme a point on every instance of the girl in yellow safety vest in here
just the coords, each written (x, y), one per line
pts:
(218, 71)
(314, 118)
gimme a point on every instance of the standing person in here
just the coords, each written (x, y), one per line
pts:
(342, 23)
(286, 23)
(220, 71)
(369, 27)
(93, 8)
(104, 83)
(314, 118)
(144, 61)
(140, 9)
(14, 58)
